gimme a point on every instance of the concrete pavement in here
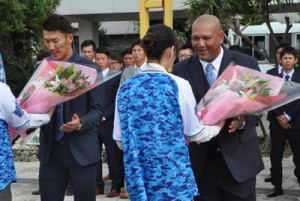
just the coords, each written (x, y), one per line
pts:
(28, 173)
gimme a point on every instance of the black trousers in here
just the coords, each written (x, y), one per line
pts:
(5, 194)
(62, 167)
(114, 159)
(278, 139)
(216, 183)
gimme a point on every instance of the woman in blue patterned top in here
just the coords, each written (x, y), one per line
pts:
(12, 114)
(155, 112)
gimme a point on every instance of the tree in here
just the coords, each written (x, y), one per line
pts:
(234, 13)
(21, 37)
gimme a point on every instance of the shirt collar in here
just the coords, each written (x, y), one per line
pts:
(280, 69)
(153, 66)
(290, 74)
(216, 63)
(142, 66)
(105, 72)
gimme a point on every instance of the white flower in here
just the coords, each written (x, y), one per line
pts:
(53, 84)
(39, 82)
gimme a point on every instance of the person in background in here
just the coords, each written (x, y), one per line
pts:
(155, 112)
(185, 51)
(102, 58)
(11, 114)
(285, 124)
(127, 58)
(69, 149)
(105, 129)
(116, 62)
(40, 56)
(228, 164)
(139, 58)
(88, 49)
(276, 71)
(237, 48)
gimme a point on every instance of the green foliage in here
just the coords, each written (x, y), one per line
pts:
(21, 37)
(227, 10)
(236, 13)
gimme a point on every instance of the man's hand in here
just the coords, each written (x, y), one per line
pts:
(282, 120)
(286, 126)
(71, 125)
(236, 123)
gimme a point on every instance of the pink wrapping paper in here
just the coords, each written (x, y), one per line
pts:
(40, 99)
(219, 105)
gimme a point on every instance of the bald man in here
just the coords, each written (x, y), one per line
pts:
(225, 168)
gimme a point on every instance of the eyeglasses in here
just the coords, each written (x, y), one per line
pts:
(184, 55)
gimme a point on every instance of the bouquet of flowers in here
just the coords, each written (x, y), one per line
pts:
(55, 82)
(241, 90)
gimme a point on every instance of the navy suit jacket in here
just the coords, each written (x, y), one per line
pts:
(111, 88)
(240, 149)
(292, 108)
(84, 143)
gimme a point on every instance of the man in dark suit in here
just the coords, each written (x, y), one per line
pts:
(105, 128)
(225, 168)
(278, 68)
(285, 124)
(69, 143)
(276, 71)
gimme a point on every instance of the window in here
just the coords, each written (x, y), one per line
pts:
(260, 42)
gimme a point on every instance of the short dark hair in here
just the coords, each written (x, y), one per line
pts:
(158, 38)
(116, 58)
(289, 50)
(56, 22)
(127, 51)
(281, 45)
(103, 50)
(187, 45)
(87, 43)
(237, 48)
(42, 55)
(139, 43)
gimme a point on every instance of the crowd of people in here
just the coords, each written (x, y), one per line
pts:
(157, 148)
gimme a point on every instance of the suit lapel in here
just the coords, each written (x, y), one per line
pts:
(227, 60)
(296, 76)
(199, 82)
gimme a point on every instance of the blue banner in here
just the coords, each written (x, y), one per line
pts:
(2, 71)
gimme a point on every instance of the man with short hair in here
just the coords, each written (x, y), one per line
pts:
(105, 129)
(185, 51)
(88, 49)
(116, 62)
(285, 123)
(127, 58)
(228, 164)
(139, 58)
(275, 71)
(69, 143)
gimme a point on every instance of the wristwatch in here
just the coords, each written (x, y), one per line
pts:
(79, 127)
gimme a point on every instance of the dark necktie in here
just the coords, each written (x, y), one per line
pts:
(209, 74)
(287, 78)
